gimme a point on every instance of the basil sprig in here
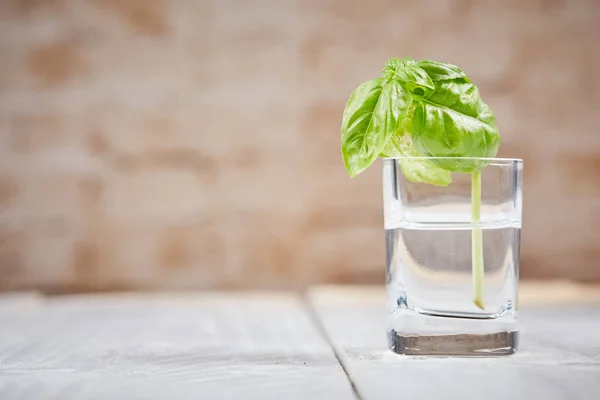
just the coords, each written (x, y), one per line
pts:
(424, 109)
(418, 108)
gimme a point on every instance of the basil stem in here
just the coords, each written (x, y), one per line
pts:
(476, 240)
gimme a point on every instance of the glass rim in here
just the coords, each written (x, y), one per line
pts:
(488, 159)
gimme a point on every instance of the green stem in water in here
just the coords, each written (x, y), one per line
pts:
(476, 240)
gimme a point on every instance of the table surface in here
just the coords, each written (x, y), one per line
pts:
(328, 344)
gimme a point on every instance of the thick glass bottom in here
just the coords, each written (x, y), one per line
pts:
(462, 345)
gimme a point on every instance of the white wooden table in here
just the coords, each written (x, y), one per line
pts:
(329, 344)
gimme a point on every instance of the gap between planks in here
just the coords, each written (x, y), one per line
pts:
(339, 352)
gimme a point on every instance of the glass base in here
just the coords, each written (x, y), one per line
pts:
(462, 345)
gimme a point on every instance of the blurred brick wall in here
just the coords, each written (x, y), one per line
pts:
(194, 144)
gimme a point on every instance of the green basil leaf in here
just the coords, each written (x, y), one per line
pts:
(415, 169)
(394, 64)
(453, 121)
(425, 171)
(408, 73)
(400, 144)
(372, 115)
(438, 71)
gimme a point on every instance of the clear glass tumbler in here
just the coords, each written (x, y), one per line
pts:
(453, 259)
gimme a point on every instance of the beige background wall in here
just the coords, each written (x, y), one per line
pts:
(195, 144)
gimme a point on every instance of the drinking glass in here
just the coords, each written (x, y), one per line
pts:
(452, 270)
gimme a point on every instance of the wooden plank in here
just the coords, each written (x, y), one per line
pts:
(558, 358)
(187, 346)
